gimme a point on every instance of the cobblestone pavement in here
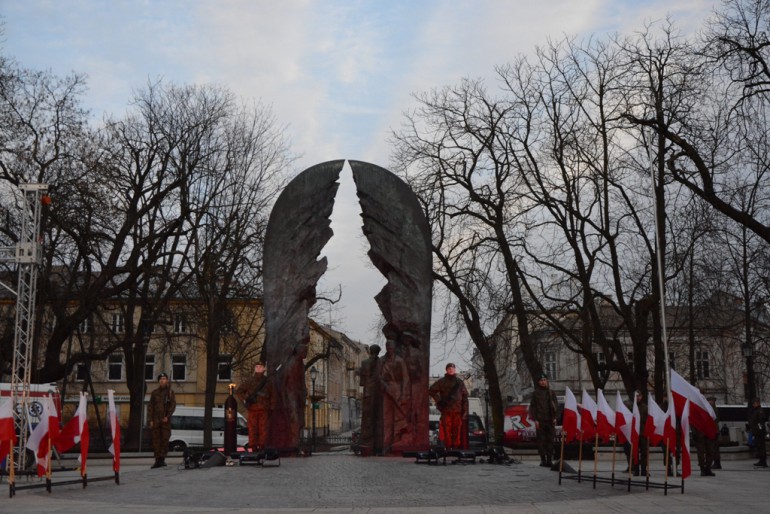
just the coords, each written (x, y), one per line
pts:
(332, 483)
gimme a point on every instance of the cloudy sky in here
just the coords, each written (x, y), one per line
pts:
(338, 73)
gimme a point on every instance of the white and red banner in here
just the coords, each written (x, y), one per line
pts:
(7, 429)
(46, 431)
(702, 416)
(656, 419)
(76, 431)
(635, 431)
(605, 417)
(588, 417)
(623, 420)
(571, 419)
(685, 421)
(115, 428)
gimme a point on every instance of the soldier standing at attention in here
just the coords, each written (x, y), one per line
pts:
(256, 392)
(451, 399)
(543, 409)
(162, 405)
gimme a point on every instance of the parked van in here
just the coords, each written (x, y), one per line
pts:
(187, 428)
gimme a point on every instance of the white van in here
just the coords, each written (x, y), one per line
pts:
(187, 428)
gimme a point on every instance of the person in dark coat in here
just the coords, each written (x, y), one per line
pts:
(159, 411)
(758, 428)
(543, 409)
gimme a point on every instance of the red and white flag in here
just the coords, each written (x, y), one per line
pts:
(656, 419)
(635, 431)
(669, 426)
(7, 429)
(115, 428)
(571, 419)
(702, 415)
(623, 420)
(41, 436)
(605, 417)
(686, 462)
(588, 417)
(76, 431)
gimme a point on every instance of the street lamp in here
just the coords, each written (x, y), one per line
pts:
(313, 376)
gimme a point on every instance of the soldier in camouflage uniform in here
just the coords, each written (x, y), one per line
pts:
(256, 392)
(543, 410)
(159, 411)
(451, 398)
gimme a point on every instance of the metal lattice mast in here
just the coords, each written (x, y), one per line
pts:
(28, 256)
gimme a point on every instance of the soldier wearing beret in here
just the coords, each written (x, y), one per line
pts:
(543, 410)
(159, 411)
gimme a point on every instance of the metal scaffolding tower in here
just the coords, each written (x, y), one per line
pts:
(27, 254)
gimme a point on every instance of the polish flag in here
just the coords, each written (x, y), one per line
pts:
(571, 420)
(605, 417)
(623, 420)
(7, 429)
(115, 428)
(702, 416)
(656, 419)
(76, 431)
(41, 436)
(686, 463)
(588, 417)
(635, 431)
(669, 426)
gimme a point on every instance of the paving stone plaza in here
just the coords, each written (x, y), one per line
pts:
(342, 482)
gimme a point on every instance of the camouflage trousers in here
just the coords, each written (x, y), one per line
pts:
(161, 433)
(545, 434)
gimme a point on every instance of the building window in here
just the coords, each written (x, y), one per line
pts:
(118, 323)
(115, 367)
(550, 365)
(702, 365)
(83, 326)
(179, 367)
(180, 324)
(224, 368)
(81, 371)
(600, 358)
(149, 367)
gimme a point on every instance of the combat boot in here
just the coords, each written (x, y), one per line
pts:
(717, 465)
(157, 464)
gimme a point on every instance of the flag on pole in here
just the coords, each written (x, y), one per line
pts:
(656, 419)
(70, 434)
(686, 462)
(588, 417)
(41, 436)
(635, 431)
(571, 420)
(701, 414)
(115, 428)
(623, 420)
(669, 427)
(7, 429)
(605, 417)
